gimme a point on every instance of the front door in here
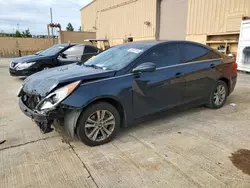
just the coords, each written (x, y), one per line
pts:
(71, 55)
(162, 89)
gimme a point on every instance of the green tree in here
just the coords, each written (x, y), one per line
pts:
(69, 27)
(26, 33)
(3, 34)
(80, 28)
(18, 34)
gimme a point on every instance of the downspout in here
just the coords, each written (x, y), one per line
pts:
(158, 16)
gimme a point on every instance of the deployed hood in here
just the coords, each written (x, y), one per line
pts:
(29, 58)
(42, 83)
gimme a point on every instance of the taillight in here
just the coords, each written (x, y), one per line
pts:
(235, 65)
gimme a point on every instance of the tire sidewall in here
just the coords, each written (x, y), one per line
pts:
(211, 101)
(45, 66)
(80, 129)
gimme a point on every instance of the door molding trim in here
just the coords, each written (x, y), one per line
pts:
(193, 62)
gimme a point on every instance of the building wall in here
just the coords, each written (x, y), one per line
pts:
(75, 36)
(117, 20)
(206, 17)
(10, 46)
(213, 22)
(89, 17)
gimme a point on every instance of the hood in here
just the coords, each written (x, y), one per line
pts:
(42, 83)
(29, 58)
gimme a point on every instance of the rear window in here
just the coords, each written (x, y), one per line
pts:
(90, 49)
(192, 52)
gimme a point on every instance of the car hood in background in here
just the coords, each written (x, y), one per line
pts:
(30, 58)
(42, 83)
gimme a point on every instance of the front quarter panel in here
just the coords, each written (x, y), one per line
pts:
(116, 88)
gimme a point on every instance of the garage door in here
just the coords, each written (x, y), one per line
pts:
(173, 19)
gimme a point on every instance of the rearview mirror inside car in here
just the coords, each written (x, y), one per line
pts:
(145, 67)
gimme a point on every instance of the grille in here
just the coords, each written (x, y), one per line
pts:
(31, 101)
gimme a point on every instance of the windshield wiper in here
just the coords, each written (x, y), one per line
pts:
(93, 66)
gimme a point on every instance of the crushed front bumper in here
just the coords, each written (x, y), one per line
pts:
(43, 121)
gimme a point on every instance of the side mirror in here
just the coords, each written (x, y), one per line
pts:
(63, 55)
(145, 67)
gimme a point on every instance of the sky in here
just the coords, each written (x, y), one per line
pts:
(35, 14)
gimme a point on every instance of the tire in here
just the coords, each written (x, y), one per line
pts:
(93, 132)
(45, 67)
(217, 100)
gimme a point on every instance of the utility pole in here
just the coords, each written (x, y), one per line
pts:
(52, 30)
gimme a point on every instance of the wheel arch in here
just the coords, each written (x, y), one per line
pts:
(113, 101)
(109, 99)
(227, 81)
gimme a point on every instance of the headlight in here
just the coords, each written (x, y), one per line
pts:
(58, 96)
(25, 65)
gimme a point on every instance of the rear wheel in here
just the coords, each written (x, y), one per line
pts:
(218, 96)
(98, 124)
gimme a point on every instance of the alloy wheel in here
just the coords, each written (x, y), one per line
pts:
(219, 95)
(100, 125)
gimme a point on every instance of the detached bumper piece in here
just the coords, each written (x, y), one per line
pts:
(45, 127)
(43, 121)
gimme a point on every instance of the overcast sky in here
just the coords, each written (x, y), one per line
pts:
(35, 14)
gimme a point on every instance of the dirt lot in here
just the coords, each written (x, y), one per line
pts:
(198, 147)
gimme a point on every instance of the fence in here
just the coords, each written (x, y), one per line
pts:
(12, 46)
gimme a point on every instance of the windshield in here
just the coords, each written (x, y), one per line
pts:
(118, 57)
(52, 50)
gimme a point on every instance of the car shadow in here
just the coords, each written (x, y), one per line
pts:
(151, 120)
(158, 118)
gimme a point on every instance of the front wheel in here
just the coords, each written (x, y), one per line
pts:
(98, 124)
(218, 96)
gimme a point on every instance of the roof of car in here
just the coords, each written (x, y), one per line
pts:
(157, 42)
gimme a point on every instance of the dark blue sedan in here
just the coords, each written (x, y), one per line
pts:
(126, 83)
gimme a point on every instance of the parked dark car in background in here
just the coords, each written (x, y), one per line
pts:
(126, 83)
(57, 55)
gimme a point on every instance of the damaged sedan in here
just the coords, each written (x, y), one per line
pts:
(94, 99)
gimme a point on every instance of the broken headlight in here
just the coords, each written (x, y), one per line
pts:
(54, 98)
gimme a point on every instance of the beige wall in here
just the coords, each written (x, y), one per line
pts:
(10, 46)
(216, 16)
(173, 19)
(89, 17)
(117, 20)
(75, 36)
(197, 38)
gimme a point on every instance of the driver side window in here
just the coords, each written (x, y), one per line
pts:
(163, 56)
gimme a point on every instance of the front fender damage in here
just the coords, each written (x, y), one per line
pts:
(70, 121)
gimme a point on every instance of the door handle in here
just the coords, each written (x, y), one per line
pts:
(212, 66)
(178, 75)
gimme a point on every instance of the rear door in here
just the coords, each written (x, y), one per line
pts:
(71, 55)
(162, 89)
(89, 51)
(199, 69)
